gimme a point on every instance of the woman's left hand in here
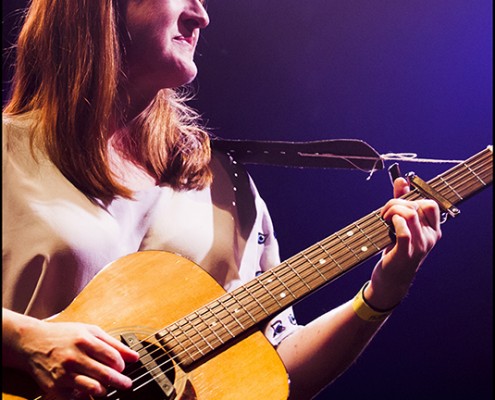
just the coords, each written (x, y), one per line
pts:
(417, 230)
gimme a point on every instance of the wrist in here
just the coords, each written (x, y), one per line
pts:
(366, 310)
(14, 329)
(383, 297)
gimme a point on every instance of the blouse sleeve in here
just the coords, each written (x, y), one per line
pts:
(284, 323)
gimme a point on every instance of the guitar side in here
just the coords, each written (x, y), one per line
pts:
(145, 292)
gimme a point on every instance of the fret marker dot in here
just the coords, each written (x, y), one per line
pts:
(364, 248)
(282, 295)
(322, 261)
(350, 233)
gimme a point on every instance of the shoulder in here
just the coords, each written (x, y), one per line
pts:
(24, 121)
(17, 132)
(16, 128)
(228, 172)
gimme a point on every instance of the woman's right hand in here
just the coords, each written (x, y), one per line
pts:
(66, 358)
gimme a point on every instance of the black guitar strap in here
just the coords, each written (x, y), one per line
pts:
(335, 153)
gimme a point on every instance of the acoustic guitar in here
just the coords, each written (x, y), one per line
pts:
(198, 342)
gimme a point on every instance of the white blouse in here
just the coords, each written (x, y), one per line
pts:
(55, 239)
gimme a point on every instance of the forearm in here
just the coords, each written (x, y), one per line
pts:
(319, 352)
(13, 325)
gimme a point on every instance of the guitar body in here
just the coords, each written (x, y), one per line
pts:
(144, 292)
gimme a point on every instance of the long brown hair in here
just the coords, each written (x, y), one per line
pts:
(70, 65)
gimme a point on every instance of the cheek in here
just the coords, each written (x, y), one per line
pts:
(149, 42)
(147, 23)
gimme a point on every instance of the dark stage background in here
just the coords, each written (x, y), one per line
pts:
(404, 76)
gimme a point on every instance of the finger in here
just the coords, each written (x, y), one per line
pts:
(402, 233)
(86, 385)
(108, 350)
(126, 353)
(93, 371)
(431, 213)
(401, 187)
(398, 206)
(407, 226)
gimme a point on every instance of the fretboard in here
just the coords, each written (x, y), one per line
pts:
(235, 313)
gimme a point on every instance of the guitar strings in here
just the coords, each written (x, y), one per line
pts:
(460, 197)
(290, 267)
(269, 298)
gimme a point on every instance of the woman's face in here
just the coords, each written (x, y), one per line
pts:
(163, 38)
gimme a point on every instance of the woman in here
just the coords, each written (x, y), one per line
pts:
(102, 158)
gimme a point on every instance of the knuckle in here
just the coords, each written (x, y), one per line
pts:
(107, 376)
(70, 358)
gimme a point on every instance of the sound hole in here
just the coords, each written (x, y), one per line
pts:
(153, 375)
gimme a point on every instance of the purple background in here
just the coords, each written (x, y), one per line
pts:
(404, 76)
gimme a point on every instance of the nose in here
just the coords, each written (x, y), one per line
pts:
(197, 17)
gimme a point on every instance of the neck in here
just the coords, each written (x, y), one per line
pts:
(126, 169)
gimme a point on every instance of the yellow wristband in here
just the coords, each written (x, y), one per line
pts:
(365, 311)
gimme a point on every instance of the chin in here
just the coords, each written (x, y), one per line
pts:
(189, 75)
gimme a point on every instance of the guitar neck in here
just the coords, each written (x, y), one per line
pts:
(237, 312)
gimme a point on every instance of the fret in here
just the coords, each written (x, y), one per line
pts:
(314, 267)
(456, 172)
(184, 348)
(365, 248)
(340, 253)
(349, 233)
(384, 224)
(274, 288)
(274, 273)
(212, 325)
(474, 173)
(301, 262)
(167, 339)
(255, 298)
(487, 174)
(329, 255)
(199, 332)
(449, 186)
(381, 229)
(466, 185)
(312, 275)
(247, 312)
(329, 268)
(260, 280)
(298, 275)
(337, 252)
(187, 336)
(231, 305)
(221, 319)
